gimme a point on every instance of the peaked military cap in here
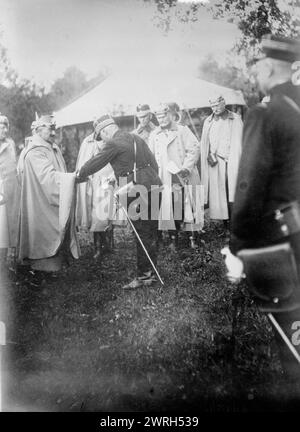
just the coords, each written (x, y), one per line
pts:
(173, 106)
(162, 108)
(142, 110)
(102, 122)
(280, 48)
(216, 98)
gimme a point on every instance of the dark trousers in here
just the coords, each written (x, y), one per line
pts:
(147, 230)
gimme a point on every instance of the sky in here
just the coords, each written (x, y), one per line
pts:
(44, 37)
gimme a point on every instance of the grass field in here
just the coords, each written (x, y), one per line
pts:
(80, 343)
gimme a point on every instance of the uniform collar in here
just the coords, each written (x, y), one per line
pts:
(173, 127)
(226, 115)
(149, 127)
(90, 138)
(38, 141)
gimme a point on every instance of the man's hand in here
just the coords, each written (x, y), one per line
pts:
(184, 173)
(79, 179)
(111, 181)
(234, 266)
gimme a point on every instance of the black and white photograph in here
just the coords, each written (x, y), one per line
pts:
(149, 208)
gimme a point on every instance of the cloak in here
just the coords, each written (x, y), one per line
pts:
(213, 178)
(9, 194)
(179, 145)
(47, 203)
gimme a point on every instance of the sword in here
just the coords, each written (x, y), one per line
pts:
(139, 238)
(284, 337)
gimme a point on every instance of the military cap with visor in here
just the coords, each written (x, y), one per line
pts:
(142, 110)
(280, 48)
(101, 123)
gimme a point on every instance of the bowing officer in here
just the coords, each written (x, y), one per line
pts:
(131, 160)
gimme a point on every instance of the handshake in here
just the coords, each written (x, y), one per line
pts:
(78, 178)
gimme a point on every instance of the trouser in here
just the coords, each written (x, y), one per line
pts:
(178, 209)
(103, 239)
(147, 229)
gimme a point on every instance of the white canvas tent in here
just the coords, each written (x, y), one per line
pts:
(119, 96)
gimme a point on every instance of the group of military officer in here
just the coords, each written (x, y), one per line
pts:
(265, 223)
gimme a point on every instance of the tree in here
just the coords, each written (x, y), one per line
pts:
(257, 17)
(229, 75)
(70, 86)
(19, 99)
(253, 17)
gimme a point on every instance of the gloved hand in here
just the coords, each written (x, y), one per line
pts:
(111, 181)
(234, 266)
(79, 179)
(184, 173)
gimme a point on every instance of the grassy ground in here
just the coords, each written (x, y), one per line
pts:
(81, 343)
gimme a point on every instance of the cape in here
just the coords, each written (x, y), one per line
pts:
(218, 208)
(9, 194)
(47, 202)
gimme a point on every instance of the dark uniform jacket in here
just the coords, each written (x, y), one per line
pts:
(119, 152)
(269, 171)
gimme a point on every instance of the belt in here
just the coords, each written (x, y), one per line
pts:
(137, 169)
(223, 158)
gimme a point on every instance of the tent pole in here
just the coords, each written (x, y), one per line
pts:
(192, 123)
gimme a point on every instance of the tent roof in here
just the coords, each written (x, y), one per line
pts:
(119, 96)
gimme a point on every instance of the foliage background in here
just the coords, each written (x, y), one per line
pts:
(21, 98)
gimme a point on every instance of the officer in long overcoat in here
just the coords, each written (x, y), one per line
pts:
(172, 143)
(268, 184)
(9, 191)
